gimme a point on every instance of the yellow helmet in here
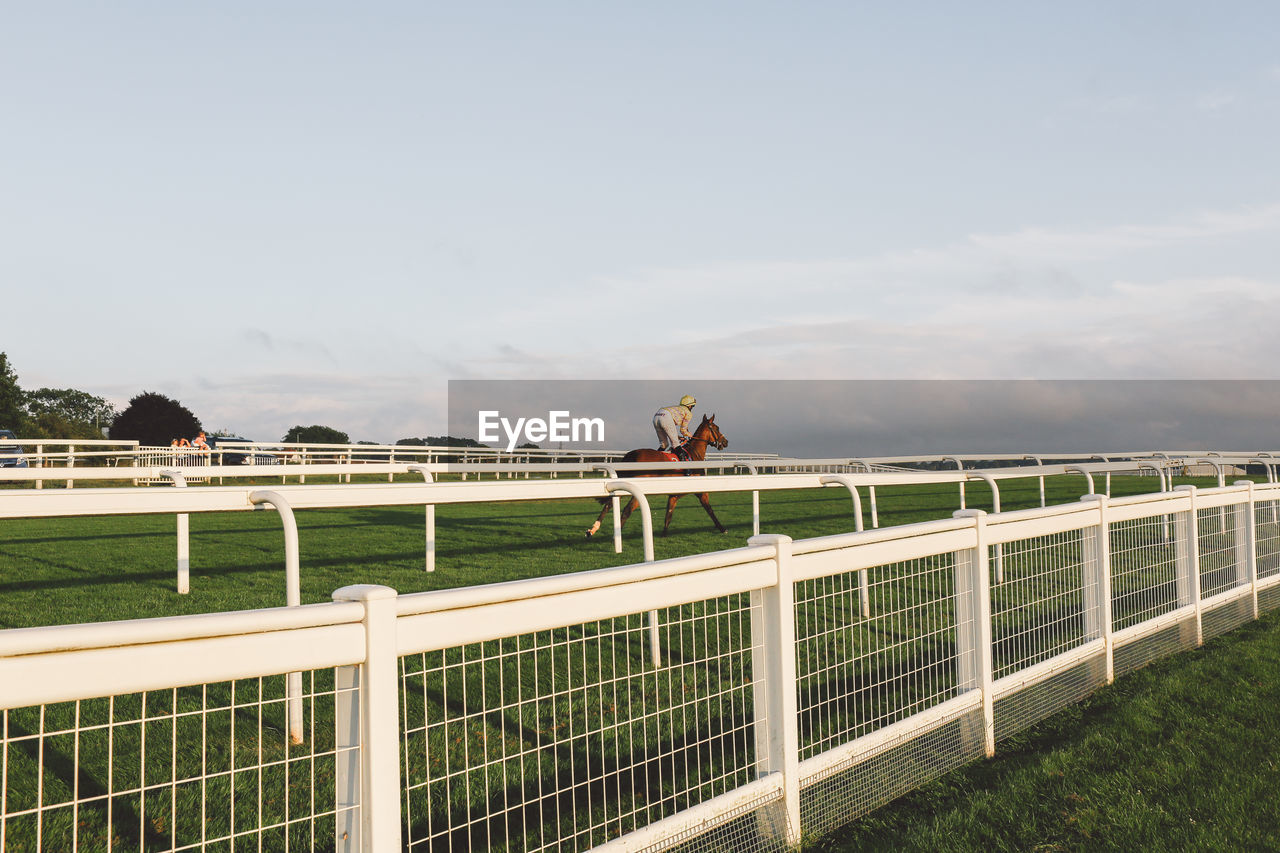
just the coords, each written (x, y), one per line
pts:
(687, 400)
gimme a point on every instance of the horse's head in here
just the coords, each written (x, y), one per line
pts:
(712, 433)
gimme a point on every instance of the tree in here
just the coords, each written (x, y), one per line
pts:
(154, 420)
(440, 441)
(50, 425)
(67, 413)
(316, 434)
(12, 414)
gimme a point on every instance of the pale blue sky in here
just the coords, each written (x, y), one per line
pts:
(290, 213)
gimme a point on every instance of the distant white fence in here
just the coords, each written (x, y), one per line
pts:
(530, 715)
(118, 501)
(300, 458)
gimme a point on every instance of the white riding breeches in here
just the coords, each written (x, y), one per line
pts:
(668, 433)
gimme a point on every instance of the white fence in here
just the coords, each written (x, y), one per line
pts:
(117, 501)
(300, 459)
(531, 715)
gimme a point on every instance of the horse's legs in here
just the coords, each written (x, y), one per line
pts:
(705, 500)
(627, 510)
(591, 531)
(671, 506)
(624, 515)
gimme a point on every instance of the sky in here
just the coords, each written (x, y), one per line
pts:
(842, 418)
(286, 213)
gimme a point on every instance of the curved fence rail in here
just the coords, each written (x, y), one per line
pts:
(531, 715)
(20, 503)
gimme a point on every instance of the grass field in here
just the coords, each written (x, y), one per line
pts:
(1181, 755)
(1070, 783)
(57, 571)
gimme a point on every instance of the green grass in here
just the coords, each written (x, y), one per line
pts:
(85, 569)
(1181, 755)
(57, 571)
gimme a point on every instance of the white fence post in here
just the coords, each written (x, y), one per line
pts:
(1186, 531)
(773, 665)
(980, 675)
(184, 536)
(1095, 546)
(959, 467)
(1247, 545)
(430, 519)
(755, 503)
(430, 528)
(292, 594)
(184, 553)
(646, 521)
(995, 507)
(366, 717)
(617, 524)
(864, 581)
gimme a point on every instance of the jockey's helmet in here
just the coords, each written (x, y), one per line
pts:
(687, 400)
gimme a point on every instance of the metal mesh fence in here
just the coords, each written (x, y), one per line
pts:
(207, 768)
(1266, 520)
(1038, 606)
(1033, 703)
(1144, 581)
(1269, 598)
(1142, 651)
(857, 673)
(758, 827)
(1226, 617)
(1218, 549)
(566, 738)
(563, 739)
(846, 792)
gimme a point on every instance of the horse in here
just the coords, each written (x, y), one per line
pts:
(706, 435)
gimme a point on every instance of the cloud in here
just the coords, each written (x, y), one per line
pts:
(1213, 101)
(375, 408)
(851, 418)
(1032, 302)
(1036, 302)
(303, 348)
(1112, 105)
(1160, 328)
(1045, 245)
(257, 338)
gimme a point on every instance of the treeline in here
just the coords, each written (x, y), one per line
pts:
(50, 412)
(439, 441)
(151, 418)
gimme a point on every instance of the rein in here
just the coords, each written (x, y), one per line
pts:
(706, 441)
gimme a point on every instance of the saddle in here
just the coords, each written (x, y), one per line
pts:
(678, 454)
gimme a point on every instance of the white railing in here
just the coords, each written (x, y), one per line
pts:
(118, 501)
(524, 462)
(532, 716)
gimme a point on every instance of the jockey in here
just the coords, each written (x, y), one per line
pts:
(671, 423)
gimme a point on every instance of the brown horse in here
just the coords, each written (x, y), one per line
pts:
(707, 434)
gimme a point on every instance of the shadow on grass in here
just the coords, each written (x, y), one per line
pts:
(125, 819)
